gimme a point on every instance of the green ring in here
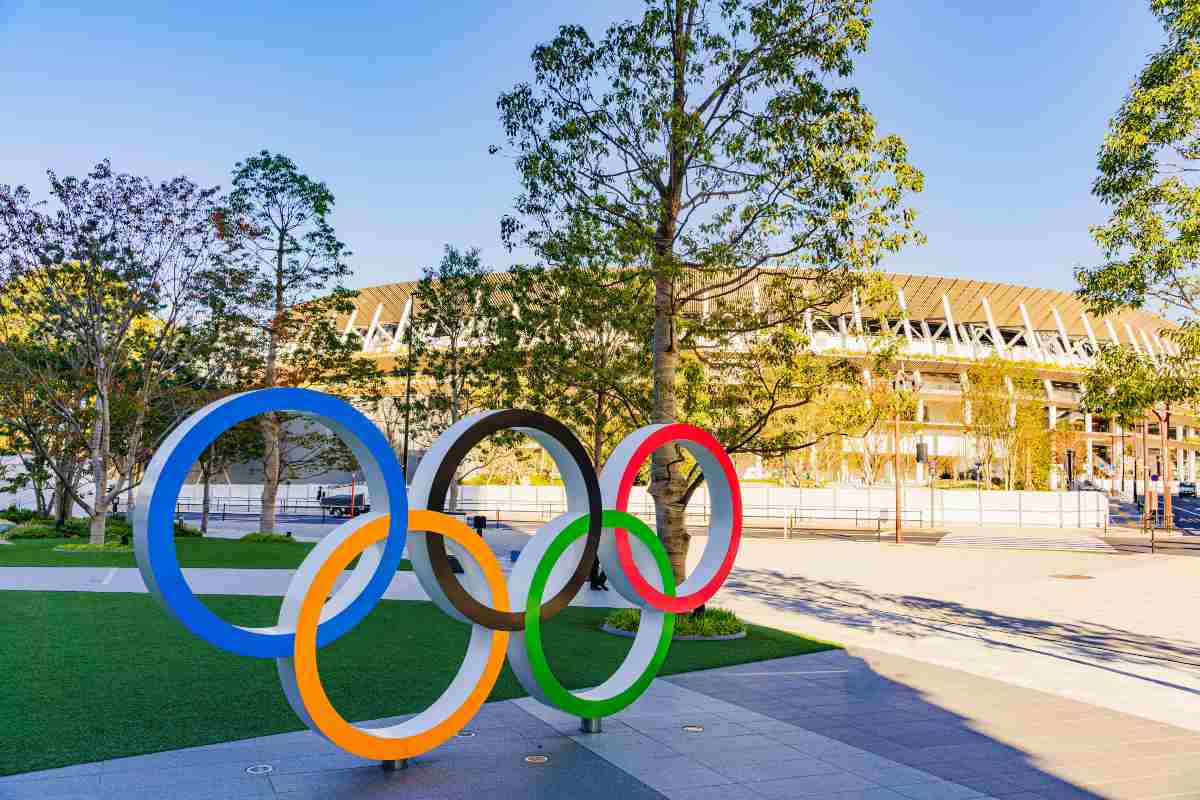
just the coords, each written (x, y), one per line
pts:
(555, 691)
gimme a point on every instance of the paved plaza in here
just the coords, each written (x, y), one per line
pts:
(1117, 631)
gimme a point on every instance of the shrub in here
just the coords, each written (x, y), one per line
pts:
(84, 547)
(33, 530)
(19, 515)
(270, 538)
(183, 530)
(713, 622)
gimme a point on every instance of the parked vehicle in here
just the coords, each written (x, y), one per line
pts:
(339, 505)
(1187, 489)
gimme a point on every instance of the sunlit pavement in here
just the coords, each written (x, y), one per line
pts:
(1116, 631)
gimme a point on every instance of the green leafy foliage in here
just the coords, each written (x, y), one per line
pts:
(284, 254)
(33, 530)
(19, 515)
(713, 622)
(1151, 240)
(88, 547)
(269, 538)
(713, 158)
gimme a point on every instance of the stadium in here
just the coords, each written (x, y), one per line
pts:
(942, 326)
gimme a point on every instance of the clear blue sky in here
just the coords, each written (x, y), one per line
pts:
(1003, 106)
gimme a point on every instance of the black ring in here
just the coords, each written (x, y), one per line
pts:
(462, 600)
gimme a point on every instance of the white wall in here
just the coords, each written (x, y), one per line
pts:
(1021, 509)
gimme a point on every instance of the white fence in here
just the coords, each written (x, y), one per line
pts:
(768, 506)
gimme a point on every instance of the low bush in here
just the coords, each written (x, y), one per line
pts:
(713, 622)
(186, 531)
(33, 530)
(84, 547)
(19, 515)
(270, 538)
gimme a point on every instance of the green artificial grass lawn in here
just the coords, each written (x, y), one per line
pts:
(193, 552)
(90, 676)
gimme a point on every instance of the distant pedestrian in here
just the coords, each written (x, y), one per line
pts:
(598, 580)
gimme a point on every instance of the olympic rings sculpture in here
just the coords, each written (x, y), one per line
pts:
(506, 616)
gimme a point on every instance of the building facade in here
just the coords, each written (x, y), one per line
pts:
(941, 326)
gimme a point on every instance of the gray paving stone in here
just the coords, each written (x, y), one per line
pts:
(733, 791)
(811, 786)
(57, 787)
(772, 770)
(677, 772)
(938, 790)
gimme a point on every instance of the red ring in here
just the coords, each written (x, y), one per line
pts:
(673, 432)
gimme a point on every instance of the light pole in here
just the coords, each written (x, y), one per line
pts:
(901, 384)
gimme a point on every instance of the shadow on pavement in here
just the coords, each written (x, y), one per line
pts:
(845, 603)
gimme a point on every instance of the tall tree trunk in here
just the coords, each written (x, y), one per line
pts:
(63, 490)
(598, 431)
(271, 469)
(270, 424)
(666, 483)
(206, 500)
(100, 445)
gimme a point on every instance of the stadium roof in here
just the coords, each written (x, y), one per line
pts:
(924, 297)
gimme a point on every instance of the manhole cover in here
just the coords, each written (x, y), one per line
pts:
(466, 734)
(260, 769)
(536, 759)
(693, 729)
(1073, 577)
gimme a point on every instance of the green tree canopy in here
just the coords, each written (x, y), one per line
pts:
(700, 147)
(1148, 163)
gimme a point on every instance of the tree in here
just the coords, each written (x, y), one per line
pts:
(282, 248)
(1002, 412)
(703, 147)
(1128, 384)
(454, 339)
(30, 429)
(1147, 165)
(578, 352)
(117, 275)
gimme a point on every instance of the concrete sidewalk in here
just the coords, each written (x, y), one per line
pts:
(252, 582)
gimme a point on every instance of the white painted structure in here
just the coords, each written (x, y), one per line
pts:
(941, 325)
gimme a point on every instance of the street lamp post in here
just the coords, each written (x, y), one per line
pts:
(901, 384)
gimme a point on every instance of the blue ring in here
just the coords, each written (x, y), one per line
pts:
(154, 516)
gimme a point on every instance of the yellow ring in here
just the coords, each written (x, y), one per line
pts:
(324, 716)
